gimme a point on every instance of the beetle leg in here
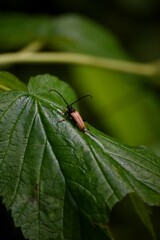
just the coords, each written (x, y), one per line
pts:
(87, 129)
(61, 112)
(64, 112)
(61, 120)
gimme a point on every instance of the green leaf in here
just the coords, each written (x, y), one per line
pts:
(51, 172)
(18, 30)
(75, 33)
(9, 82)
(144, 213)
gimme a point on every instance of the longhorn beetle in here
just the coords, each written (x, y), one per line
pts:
(73, 113)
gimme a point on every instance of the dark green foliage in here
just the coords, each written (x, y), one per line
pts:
(51, 173)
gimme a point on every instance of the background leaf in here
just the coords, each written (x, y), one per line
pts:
(18, 30)
(144, 212)
(9, 82)
(85, 39)
(55, 172)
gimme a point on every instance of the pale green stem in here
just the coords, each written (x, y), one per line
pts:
(145, 69)
(33, 47)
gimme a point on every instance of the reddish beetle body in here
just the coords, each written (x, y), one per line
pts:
(76, 117)
(73, 113)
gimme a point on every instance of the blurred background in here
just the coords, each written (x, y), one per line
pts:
(124, 106)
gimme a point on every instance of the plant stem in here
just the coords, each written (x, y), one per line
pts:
(145, 69)
(33, 47)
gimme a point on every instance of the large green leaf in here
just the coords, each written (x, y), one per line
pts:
(50, 171)
(75, 33)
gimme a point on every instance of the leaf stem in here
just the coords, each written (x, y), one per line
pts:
(144, 69)
(33, 47)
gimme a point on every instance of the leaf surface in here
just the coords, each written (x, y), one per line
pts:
(50, 171)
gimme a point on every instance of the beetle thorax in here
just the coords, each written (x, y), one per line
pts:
(70, 109)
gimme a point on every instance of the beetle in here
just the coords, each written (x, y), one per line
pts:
(72, 113)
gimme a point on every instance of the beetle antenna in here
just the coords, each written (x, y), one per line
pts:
(81, 98)
(59, 95)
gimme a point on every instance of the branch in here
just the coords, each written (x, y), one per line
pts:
(144, 69)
